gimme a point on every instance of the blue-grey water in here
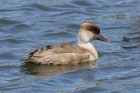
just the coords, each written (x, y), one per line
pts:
(29, 24)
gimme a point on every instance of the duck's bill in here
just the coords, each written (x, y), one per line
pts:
(103, 39)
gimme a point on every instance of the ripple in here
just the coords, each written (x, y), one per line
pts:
(7, 22)
(83, 3)
(131, 44)
(59, 34)
(128, 76)
(22, 26)
(72, 26)
(137, 39)
(12, 41)
(7, 55)
(135, 36)
(67, 6)
(41, 7)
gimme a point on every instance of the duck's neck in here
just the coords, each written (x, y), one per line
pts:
(88, 46)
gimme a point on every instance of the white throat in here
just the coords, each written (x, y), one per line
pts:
(88, 46)
(84, 38)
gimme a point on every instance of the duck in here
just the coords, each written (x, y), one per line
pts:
(67, 53)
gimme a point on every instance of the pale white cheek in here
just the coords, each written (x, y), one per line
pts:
(87, 36)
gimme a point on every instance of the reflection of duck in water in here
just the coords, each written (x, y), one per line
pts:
(66, 53)
(45, 70)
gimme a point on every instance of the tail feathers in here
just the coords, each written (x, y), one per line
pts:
(27, 60)
(36, 60)
(33, 60)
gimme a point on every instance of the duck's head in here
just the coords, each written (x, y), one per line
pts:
(89, 32)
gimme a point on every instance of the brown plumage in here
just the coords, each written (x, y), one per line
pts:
(52, 54)
(66, 53)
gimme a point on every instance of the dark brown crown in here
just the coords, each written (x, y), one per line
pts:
(90, 27)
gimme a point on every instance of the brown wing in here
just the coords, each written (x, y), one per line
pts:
(56, 49)
(64, 53)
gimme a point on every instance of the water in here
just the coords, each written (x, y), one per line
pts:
(29, 24)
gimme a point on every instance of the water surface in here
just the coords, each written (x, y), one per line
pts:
(29, 24)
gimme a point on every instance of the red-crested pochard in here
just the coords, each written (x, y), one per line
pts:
(66, 53)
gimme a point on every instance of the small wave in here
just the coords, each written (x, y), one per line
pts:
(7, 22)
(12, 41)
(59, 34)
(22, 26)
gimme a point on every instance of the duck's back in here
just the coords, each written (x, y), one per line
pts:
(59, 54)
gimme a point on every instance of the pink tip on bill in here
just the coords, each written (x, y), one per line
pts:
(108, 41)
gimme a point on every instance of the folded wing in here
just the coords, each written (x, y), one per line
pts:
(64, 53)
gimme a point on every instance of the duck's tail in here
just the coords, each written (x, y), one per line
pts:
(27, 60)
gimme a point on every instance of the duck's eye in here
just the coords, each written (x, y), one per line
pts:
(97, 38)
